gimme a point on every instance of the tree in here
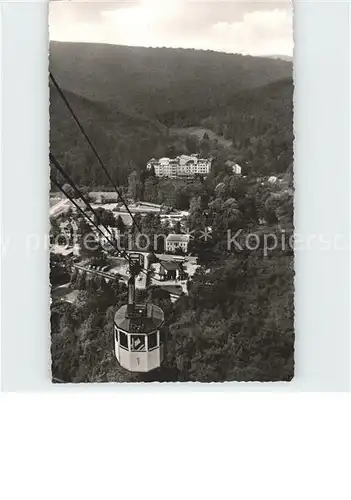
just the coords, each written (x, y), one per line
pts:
(205, 148)
(120, 225)
(68, 189)
(71, 234)
(58, 270)
(85, 238)
(151, 189)
(105, 217)
(177, 227)
(83, 226)
(74, 276)
(137, 223)
(81, 281)
(195, 203)
(133, 185)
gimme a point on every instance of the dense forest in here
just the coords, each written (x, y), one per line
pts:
(258, 122)
(236, 324)
(152, 81)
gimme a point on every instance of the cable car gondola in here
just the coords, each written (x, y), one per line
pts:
(137, 330)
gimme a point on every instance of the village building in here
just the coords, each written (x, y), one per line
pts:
(176, 242)
(175, 291)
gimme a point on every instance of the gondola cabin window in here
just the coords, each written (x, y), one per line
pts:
(123, 340)
(138, 343)
(152, 341)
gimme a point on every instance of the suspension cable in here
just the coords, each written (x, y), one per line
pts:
(97, 156)
(123, 253)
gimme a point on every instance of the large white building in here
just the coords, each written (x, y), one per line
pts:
(181, 166)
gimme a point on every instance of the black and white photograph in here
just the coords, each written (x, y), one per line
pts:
(171, 193)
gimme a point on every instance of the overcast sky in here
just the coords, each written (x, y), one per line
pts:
(247, 27)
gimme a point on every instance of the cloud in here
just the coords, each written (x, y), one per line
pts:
(253, 27)
(268, 32)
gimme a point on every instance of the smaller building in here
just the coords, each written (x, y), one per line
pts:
(236, 169)
(171, 271)
(176, 242)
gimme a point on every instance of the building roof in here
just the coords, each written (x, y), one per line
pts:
(170, 265)
(176, 290)
(181, 160)
(147, 204)
(176, 238)
(146, 324)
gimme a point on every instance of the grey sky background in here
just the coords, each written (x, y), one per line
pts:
(246, 26)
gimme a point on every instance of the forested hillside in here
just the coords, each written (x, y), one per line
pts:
(153, 81)
(125, 140)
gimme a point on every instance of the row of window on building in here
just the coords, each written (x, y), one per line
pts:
(183, 165)
(137, 343)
